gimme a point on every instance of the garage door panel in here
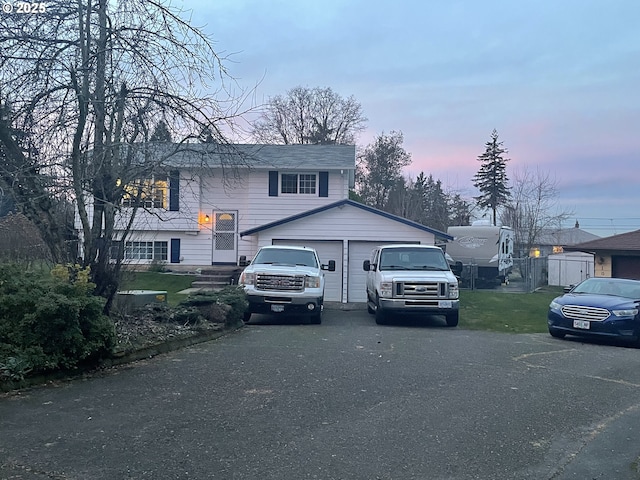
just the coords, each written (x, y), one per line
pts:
(626, 267)
(327, 250)
(357, 278)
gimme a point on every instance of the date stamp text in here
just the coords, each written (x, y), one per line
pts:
(24, 7)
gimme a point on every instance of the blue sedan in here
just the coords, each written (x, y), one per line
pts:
(598, 307)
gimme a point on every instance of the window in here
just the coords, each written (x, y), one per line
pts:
(146, 193)
(303, 183)
(158, 251)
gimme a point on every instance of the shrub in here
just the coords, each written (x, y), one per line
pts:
(50, 322)
(225, 306)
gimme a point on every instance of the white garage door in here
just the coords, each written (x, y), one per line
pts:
(327, 250)
(357, 278)
(358, 253)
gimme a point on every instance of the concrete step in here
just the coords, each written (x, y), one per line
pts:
(216, 277)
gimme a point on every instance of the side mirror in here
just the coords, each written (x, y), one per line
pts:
(366, 265)
(331, 266)
(242, 261)
(456, 268)
(568, 288)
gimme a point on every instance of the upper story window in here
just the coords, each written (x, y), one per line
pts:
(303, 183)
(146, 193)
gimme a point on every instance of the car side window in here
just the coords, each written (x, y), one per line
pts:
(374, 258)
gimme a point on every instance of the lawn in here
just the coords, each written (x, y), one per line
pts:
(158, 281)
(506, 312)
(479, 309)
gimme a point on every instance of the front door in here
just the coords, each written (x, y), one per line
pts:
(225, 229)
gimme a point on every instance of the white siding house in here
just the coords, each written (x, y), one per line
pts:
(214, 214)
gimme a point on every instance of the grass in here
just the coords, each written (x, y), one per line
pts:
(487, 310)
(158, 281)
(506, 312)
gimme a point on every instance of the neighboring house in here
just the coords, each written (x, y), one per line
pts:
(552, 241)
(617, 256)
(200, 214)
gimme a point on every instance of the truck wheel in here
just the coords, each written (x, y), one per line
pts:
(380, 314)
(452, 319)
(370, 310)
(316, 319)
(246, 316)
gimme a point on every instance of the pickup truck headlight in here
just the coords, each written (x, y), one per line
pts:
(454, 292)
(247, 279)
(312, 282)
(386, 289)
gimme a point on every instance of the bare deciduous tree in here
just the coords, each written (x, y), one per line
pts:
(309, 116)
(87, 81)
(533, 208)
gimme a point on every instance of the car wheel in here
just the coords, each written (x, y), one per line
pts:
(246, 316)
(556, 333)
(452, 319)
(381, 317)
(370, 310)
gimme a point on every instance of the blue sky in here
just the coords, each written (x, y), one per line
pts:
(558, 79)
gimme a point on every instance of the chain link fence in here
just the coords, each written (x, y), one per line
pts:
(527, 274)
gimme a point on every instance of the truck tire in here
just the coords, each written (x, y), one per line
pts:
(452, 319)
(381, 316)
(316, 318)
(246, 316)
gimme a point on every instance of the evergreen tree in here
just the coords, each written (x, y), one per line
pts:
(491, 179)
(161, 133)
(380, 169)
(459, 210)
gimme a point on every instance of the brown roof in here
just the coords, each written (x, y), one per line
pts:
(625, 241)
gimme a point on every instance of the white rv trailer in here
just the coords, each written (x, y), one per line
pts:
(486, 251)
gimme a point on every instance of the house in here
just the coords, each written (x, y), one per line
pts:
(554, 240)
(218, 203)
(617, 256)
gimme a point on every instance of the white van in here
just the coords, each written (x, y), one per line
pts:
(411, 278)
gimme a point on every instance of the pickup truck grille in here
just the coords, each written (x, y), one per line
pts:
(287, 283)
(420, 290)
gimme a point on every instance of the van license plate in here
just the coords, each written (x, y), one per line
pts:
(277, 308)
(582, 324)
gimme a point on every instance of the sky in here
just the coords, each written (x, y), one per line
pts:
(558, 79)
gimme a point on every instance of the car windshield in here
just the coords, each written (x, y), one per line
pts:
(286, 256)
(408, 258)
(609, 286)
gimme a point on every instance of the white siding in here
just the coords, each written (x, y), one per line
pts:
(570, 268)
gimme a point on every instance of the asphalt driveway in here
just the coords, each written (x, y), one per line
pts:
(343, 400)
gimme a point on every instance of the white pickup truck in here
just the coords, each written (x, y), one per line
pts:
(411, 278)
(285, 280)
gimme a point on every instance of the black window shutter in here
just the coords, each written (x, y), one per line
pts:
(273, 184)
(174, 191)
(175, 250)
(323, 187)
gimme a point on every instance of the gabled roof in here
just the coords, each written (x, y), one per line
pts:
(341, 203)
(624, 242)
(257, 156)
(565, 236)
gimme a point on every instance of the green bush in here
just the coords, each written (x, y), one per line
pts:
(50, 322)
